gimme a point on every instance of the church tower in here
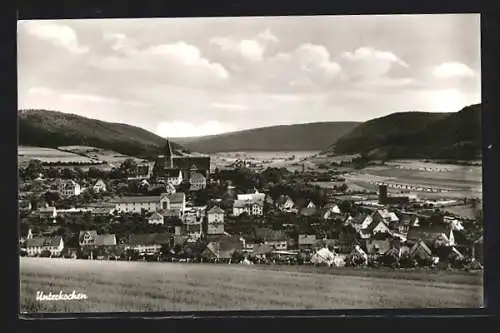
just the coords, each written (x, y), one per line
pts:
(169, 163)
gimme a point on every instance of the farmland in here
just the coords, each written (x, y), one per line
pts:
(50, 155)
(142, 286)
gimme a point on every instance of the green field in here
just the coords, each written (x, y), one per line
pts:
(141, 286)
(51, 155)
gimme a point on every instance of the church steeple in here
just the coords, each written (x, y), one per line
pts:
(168, 155)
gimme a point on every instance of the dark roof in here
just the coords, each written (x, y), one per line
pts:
(130, 199)
(149, 239)
(43, 241)
(283, 199)
(421, 245)
(105, 240)
(427, 233)
(177, 197)
(92, 234)
(307, 240)
(270, 235)
(308, 211)
(186, 162)
(171, 173)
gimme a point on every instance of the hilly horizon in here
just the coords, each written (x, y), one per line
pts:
(296, 137)
(453, 135)
(52, 129)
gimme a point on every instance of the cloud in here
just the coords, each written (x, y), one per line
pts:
(250, 49)
(453, 70)
(186, 129)
(39, 91)
(119, 41)
(226, 106)
(308, 65)
(367, 62)
(178, 63)
(59, 34)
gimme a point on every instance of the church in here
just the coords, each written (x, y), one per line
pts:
(168, 166)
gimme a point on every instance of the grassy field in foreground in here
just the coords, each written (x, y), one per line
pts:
(142, 286)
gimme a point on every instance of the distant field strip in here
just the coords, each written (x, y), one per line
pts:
(140, 286)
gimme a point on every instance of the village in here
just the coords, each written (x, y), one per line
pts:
(182, 209)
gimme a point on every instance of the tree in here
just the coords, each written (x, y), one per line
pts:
(67, 173)
(34, 169)
(129, 167)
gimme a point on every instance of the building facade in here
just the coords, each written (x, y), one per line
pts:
(215, 221)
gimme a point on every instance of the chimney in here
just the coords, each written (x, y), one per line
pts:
(382, 194)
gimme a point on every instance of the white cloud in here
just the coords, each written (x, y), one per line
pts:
(59, 34)
(39, 91)
(226, 106)
(120, 41)
(452, 70)
(367, 62)
(267, 36)
(176, 62)
(445, 100)
(307, 66)
(250, 49)
(185, 129)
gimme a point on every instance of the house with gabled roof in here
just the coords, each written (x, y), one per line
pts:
(432, 235)
(148, 243)
(215, 221)
(99, 186)
(373, 228)
(197, 181)
(284, 203)
(90, 238)
(420, 251)
(274, 238)
(307, 241)
(156, 218)
(36, 245)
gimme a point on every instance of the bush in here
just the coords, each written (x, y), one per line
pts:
(45, 254)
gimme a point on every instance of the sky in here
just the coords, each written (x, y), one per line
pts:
(181, 77)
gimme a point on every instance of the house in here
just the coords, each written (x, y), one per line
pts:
(148, 243)
(197, 181)
(330, 211)
(378, 246)
(36, 245)
(69, 188)
(284, 203)
(193, 220)
(404, 224)
(261, 250)
(99, 186)
(323, 256)
(420, 251)
(47, 212)
(173, 176)
(90, 238)
(171, 213)
(256, 196)
(274, 238)
(251, 207)
(155, 218)
(215, 221)
(374, 228)
(385, 216)
(432, 235)
(311, 205)
(167, 160)
(223, 248)
(136, 204)
(307, 241)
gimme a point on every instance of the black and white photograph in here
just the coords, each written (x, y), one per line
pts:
(250, 163)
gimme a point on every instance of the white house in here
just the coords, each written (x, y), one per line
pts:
(136, 204)
(197, 181)
(256, 196)
(155, 218)
(215, 225)
(99, 186)
(254, 208)
(148, 243)
(69, 188)
(173, 176)
(35, 246)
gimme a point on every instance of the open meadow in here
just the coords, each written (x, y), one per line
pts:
(49, 155)
(116, 286)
